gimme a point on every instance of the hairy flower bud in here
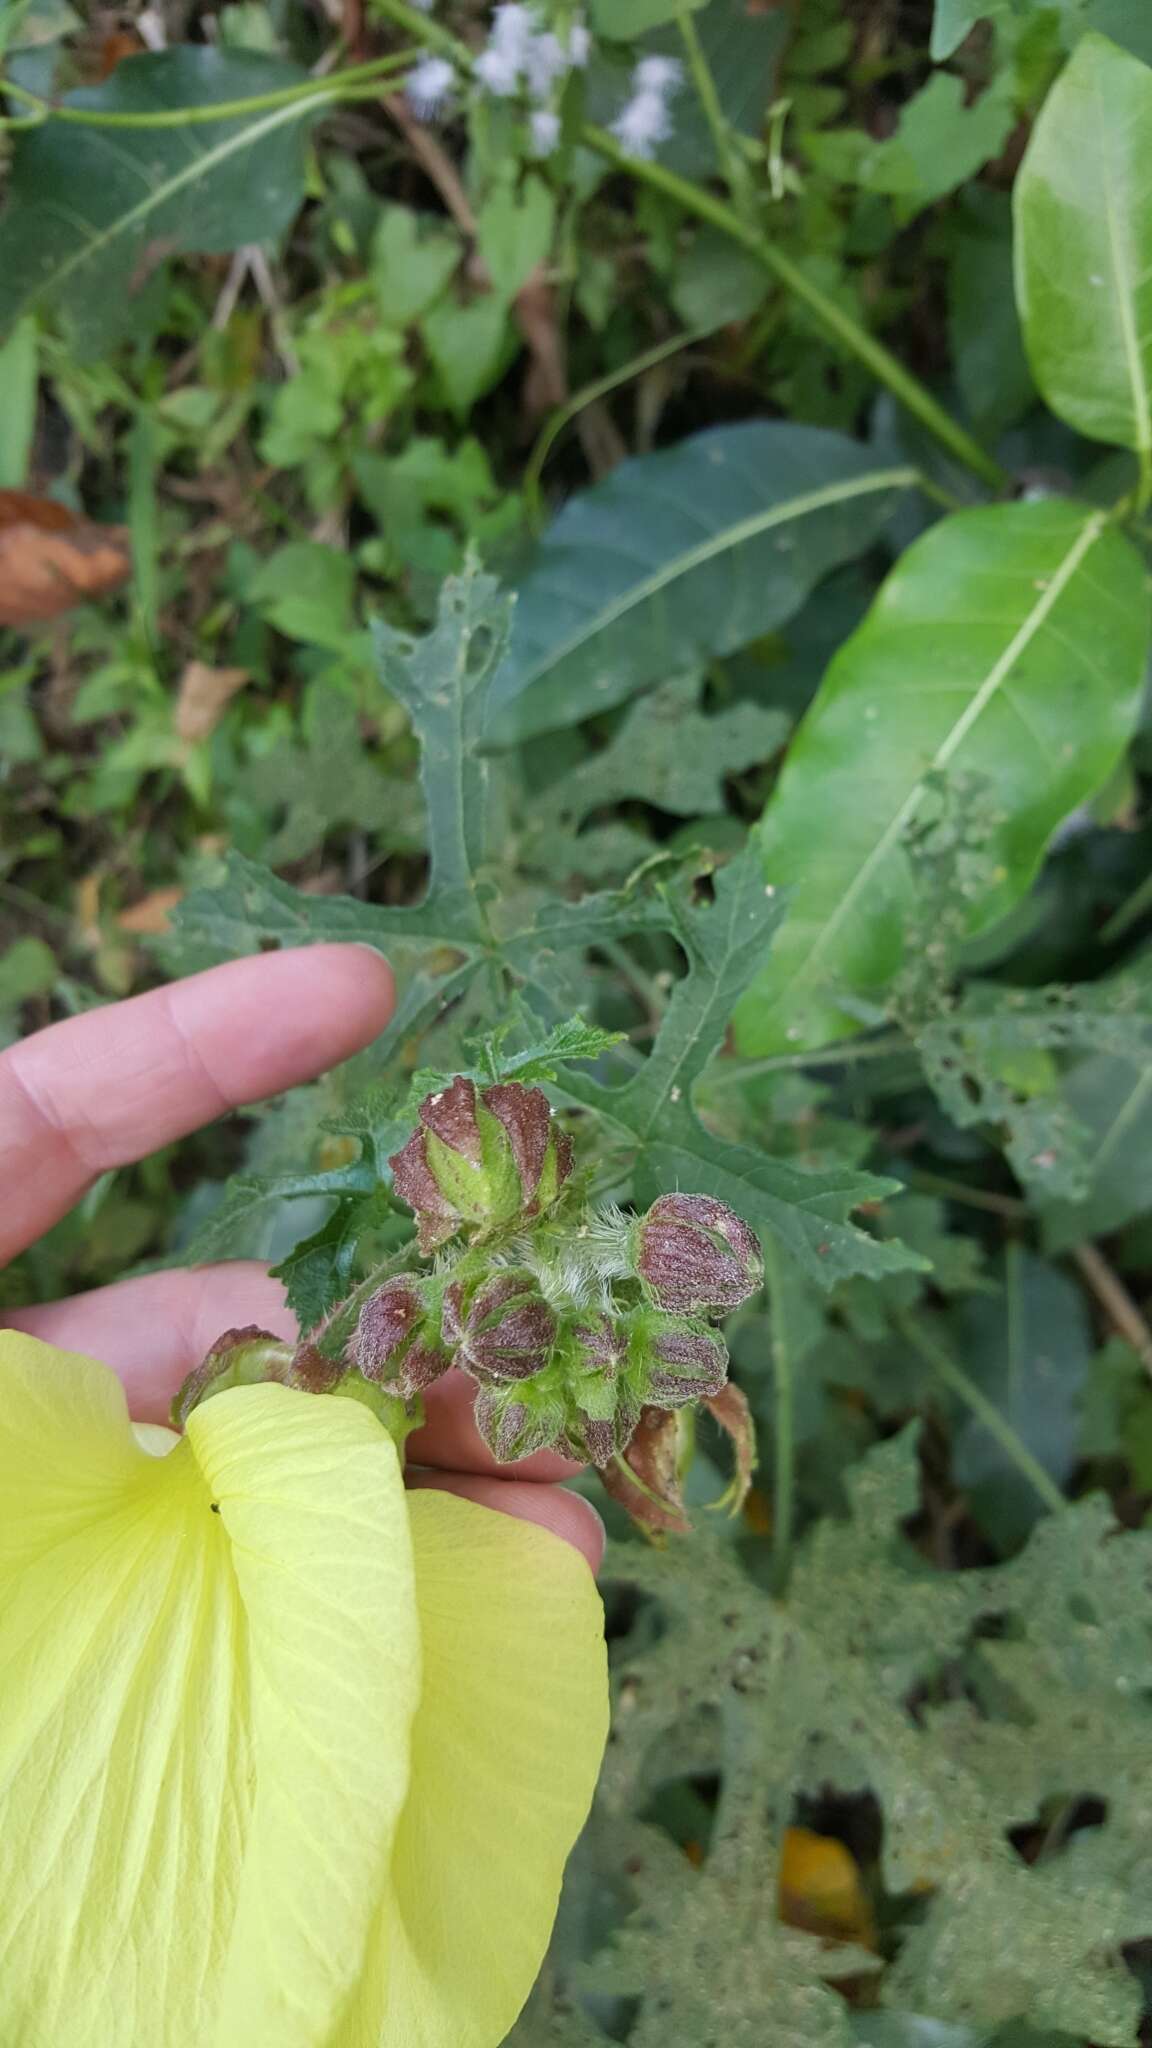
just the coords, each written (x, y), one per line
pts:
(695, 1254)
(504, 1331)
(239, 1358)
(600, 1407)
(674, 1359)
(397, 1339)
(482, 1157)
(518, 1419)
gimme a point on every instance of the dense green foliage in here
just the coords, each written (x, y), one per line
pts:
(812, 756)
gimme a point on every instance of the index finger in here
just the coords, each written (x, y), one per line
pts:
(110, 1086)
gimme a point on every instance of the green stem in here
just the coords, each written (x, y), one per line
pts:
(732, 1073)
(784, 1428)
(336, 86)
(1008, 1206)
(556, 422)
(985, 1411)
(694, 199)
(734, 169)
(886, 367)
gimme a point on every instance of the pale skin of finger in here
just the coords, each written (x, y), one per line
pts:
(106, 1088)
(153, 1330)
(114, 1084)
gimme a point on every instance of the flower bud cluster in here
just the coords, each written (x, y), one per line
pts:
(568, 1323)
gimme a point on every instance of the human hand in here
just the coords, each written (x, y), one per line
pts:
(105, 1088)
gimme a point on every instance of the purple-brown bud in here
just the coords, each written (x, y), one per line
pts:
(674, 1359)
(504, 1331)
(482, 1157)
(695, 1254)
(240, 1358)
(396, 1344)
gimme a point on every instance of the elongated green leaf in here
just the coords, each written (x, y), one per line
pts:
(85, 204)
(1084, 245)
(680, 556)
(1008, 646)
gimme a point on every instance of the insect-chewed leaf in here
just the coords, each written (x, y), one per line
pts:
(51, 560)
(1008, 644)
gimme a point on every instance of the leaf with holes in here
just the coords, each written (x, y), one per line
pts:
(1008, 647)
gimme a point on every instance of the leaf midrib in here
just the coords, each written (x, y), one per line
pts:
(198, 166)
(706, 551)
(1000, 670)
(1125, 290)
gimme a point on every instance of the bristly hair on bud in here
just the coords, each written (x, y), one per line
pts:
(674, 1359)
(502, 1331)
(693, 1254)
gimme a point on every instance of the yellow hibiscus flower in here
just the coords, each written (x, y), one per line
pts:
(289, 1757)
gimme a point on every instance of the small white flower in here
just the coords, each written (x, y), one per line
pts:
(513, 27)
(500, 74)
(426, 89)
(643, 123)
(546, 61)
(545, 127)
(657, 74)
(579, 44)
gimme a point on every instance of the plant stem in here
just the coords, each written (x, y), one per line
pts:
(784, 1427)
(985, 1411)
(693, 199)
(1008, 1206)
(886, 367)
(731, 1073)
(337, 85)
(1116, 1301)
(556, 422)
(734, 169)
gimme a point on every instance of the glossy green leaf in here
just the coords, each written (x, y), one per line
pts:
(86, 204)
(1008, 647)
(680, 556)
(1083, 202)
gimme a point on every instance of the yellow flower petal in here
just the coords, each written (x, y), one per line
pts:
(506, 1748)
(204, 1716)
